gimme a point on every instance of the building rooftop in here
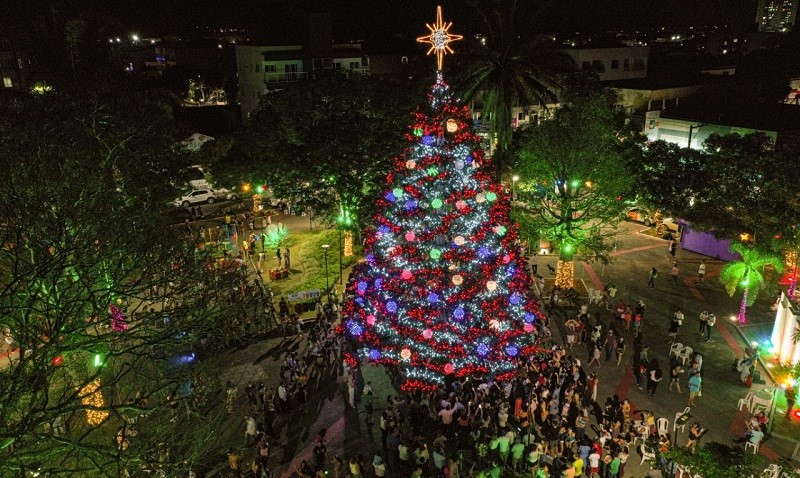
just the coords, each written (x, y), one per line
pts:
(652, 83)
(765, 117)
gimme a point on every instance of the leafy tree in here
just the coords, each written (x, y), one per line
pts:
(83, 185)
(507, 68)
(572, 170)
(327, 144)
(748, 273)
(716, 460)
(734, 185)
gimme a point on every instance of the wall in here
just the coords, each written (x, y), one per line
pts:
(707, 244)
(602, 61)
(677, 131)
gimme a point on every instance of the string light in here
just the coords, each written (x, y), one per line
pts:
(91, 396)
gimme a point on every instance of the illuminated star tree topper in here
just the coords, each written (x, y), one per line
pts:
(439, 38)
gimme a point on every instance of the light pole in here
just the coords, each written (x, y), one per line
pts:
(325, 248)
(693, 127)
(514, 180)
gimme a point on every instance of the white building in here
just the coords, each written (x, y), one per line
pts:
(615, 63)
(261, 69)
(776, 15)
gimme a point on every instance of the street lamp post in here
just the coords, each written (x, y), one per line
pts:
(325, 248)
(514, 180)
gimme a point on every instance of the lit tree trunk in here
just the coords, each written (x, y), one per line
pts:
(565, 269)
(743, 308)
(348, 243)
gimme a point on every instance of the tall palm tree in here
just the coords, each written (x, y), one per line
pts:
(747, 273)
(509, 68)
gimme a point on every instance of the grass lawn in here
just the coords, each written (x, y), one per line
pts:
(307, 270)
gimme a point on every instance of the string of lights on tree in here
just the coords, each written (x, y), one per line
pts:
(443, 290)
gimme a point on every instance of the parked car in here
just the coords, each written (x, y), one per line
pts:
(670, 224)
(225, 194)
(197, 196)
(639, 214)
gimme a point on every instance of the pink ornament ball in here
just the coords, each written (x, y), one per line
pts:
(370, 319)
(410, 236)
(427, 333)
(461, 204)
(529, 328)
(448, 368)
(406, 275)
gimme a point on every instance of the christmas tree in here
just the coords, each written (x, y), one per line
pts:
(443, 290)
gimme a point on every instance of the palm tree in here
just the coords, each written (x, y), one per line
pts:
(509, 68)
(747, 272)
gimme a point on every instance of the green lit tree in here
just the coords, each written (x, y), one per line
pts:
(571, 172)
(747, 273)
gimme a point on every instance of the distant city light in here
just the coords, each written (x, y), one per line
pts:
(135, 37)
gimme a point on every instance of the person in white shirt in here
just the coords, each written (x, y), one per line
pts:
(701, 272)
(379, 466)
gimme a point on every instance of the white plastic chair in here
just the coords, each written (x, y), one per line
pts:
(645, 454)
(754, 445)
(663, 426)
(772, 471)
(685, 354)
(746, 402)
(675, 349)
(675, 425)
(643, 438)
(758, 401)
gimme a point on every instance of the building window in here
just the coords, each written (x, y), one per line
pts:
(355, 65)
(639, 64)
(586, 65)
(269, 69)
(615, 64)
(521, 116)
(7, 82)
(626, 64)
(599, 66)
(258, 68)
(404, 59)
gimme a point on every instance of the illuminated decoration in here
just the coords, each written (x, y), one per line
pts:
(91, 396)
(451, 125)
(57, 360)
(784, 349)
(444, 288)
(439, 38)
(347, 247)
(411, 164)
(118, 323)
(565, 274)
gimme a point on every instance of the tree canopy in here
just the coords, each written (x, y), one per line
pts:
(324, 144)
(98, 295)
(735, 185)
(572, 170)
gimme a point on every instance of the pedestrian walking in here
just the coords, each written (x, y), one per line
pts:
(278, 255)
(695, 385)
(712, 319)
(674, 273)
(674, 376)
(286, 259)
(654, 377)
(595, 355)
(620, 349)
(701, 271)
(610, 344)
(703, 321)
(535, 263)
(653, 274)
(673, 248)
(675, 324)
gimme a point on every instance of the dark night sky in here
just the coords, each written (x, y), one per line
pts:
(404, 14)
(365, 18)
